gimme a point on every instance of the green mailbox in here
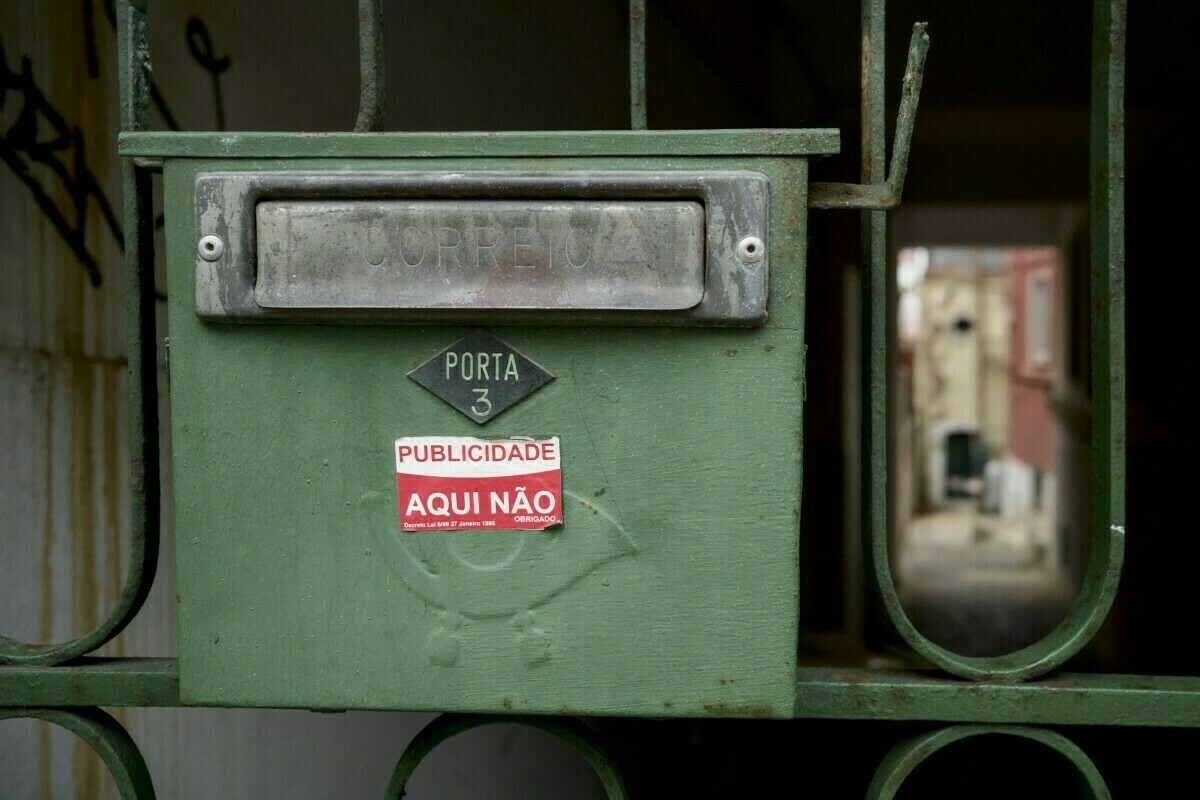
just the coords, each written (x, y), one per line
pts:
(488, 421)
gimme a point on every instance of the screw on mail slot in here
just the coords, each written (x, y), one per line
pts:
(480, 254)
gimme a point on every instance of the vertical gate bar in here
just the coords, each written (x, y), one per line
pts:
(134, 79)
(1107, 222)
(133, 70)
(874, 296)
(371, 66)
(142, 359)
(873, 145)
(878, 193)
(637, 65)
(906, 116)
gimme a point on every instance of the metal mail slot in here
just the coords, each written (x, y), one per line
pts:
(562, 248)
(480, 254)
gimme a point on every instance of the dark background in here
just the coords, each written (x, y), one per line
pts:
(1003, 120)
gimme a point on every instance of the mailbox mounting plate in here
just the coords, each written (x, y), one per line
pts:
(662, 209)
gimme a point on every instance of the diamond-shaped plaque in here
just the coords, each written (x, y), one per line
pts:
(481, 376)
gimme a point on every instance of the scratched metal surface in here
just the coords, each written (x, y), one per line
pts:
(569, 254)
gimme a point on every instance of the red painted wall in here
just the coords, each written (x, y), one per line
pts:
(1031, 417)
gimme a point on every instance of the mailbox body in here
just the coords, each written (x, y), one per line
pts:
(671, 589)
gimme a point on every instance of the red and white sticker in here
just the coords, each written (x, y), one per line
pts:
(460, 483)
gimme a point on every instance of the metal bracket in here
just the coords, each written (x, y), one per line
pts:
(886, 195)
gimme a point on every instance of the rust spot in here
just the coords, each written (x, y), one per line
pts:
(668, 704)
(507, 703)
(600, 493)
(589, 506)
(727, 710)
(850, 677)
(768, 348)
(731, 351)
(537, 283)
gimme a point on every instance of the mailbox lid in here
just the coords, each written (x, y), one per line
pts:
(642, 255)
(671, 589)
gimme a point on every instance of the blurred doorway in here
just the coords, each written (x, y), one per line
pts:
(987, 537)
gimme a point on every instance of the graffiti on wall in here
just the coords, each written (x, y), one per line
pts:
(40, 135)
(46, 152)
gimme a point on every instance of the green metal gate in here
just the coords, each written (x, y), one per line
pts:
(1014, 695)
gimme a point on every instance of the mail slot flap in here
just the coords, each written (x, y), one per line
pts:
(640, 248)
(480, 254)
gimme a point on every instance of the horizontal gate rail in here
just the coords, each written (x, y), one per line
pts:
(110, 682)
(1064, 699)
(534, 144)
(821, 693)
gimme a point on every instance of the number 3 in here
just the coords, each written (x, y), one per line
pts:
(483, 401)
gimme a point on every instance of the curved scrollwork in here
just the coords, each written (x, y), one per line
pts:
(143, 560)
(906, 756)
(1076, 630)
(143, 367)
(570, 730)
(107, 739)
(143, 445)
